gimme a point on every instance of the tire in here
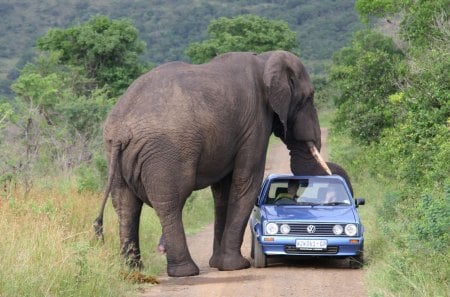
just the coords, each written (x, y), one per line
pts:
(260, 259)
(356, 262)
(252, 248)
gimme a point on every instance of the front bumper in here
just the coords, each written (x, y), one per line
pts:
(336, 246)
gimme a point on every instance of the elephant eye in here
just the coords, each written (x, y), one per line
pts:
(291, 84)
(291, 81)
(308, 100)
(311, 97)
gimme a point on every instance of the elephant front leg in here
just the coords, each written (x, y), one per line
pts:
(128, 208)
(221, 193)
(179, 260)
(243, 193)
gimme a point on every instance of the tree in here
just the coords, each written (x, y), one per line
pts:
(55, 127)
(243, 33)
(6, 112)
(422, 19)
(366, 73)
(61, 99)
(106, 50)
(411, 155)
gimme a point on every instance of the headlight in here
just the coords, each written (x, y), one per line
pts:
(351, 230)
(285, 229)
(271, 229)
(338, 229)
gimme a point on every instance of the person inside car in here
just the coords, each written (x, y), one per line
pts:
(290, 196)
(333, 195)
(330, 196)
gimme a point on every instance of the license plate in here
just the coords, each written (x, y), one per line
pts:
(314, 245)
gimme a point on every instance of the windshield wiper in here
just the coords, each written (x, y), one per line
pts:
(308, 203)
(336, 203)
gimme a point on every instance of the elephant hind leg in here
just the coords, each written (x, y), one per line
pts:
(128, 207)
(169, 211)
(167, 187)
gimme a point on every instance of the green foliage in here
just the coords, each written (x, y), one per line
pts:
(64, 96)
(243, 33)
(417, 146)
(431, 226)
(428, 232)
(406, 225)
(411, 156)
(422, 20)
(58, 96)
(377, 8)
(416, 227)
(107, 50)
(366, 73)
(6, 111)
(61, 95)
(87, 179)
(91, 176)
(168, 27)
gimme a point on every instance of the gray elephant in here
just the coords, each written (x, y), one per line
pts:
(182, 127)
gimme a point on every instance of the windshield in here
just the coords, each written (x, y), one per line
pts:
(311, 191)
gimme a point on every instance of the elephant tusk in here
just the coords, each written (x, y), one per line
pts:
(318, 157)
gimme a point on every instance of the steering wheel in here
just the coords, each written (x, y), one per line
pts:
(284, 200)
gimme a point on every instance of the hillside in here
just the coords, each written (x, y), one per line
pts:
(169, 26)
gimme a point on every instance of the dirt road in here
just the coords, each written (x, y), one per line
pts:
(282, 278)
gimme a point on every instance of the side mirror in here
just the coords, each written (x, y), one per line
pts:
(360, 201)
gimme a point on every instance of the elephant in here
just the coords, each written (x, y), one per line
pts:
(183, 127)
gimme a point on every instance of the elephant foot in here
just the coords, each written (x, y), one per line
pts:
(227, 263)
(134, 264)
(184, 269)
(132, 256)
(214, 261)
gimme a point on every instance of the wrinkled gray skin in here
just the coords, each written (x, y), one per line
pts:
(182, 127)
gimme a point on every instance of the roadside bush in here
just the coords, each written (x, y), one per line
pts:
(92, 176)
(432, 222)
(366, 73)
(406, 225)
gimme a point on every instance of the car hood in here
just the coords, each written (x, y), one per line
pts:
(308, 213)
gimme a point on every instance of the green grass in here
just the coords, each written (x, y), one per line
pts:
(326, 115)
(48, 248)
(396, 265)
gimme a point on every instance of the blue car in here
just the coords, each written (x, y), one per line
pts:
(306, 216)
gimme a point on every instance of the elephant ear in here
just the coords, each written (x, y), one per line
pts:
(277, 72)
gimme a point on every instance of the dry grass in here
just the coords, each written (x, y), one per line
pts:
(48, 248)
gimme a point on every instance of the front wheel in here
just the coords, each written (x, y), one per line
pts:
(260, 259)
(252, 248)
(356, 262)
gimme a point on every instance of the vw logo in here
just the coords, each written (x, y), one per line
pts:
(311, 229)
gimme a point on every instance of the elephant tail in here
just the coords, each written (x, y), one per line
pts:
(98, 223)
